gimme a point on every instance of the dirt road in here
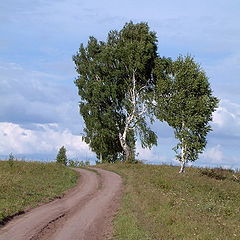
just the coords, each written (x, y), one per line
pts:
(85, 212)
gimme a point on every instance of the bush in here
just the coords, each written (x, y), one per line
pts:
(216, 173)
(61, 157)
(11, 159)
(74, 163)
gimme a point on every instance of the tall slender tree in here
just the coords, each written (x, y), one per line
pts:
(185, 101)
(135, 54)
(115, 81)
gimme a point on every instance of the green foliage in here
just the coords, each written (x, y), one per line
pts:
(104, 84)
(119, 82)
(72, 163)
(11, 160)
(185, 101)
(61, 156)
(27, 184)
(87, 163)
(96, 106)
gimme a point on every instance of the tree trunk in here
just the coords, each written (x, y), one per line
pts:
(183, 154)
(126, 149)
(130, 120)
(182, 168)
(127, 153)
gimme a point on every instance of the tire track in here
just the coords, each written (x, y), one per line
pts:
(85, 212)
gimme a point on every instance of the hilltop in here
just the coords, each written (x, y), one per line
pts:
(160, 203)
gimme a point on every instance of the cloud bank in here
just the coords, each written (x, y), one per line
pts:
(44, 139)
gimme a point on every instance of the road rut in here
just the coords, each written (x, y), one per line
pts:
(84, 213)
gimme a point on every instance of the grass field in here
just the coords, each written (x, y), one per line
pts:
(158, 203)
(26, 184)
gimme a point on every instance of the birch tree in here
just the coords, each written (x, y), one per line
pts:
(97, 104)
(136, 51)
(115, 83)
(185, 101)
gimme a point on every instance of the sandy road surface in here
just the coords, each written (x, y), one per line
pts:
(85, 212)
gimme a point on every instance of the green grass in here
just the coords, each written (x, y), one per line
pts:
(26, 184)
(158, 203)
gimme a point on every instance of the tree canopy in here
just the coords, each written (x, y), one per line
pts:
(123, 83)
(114, 80)
(61, 156)
(185, 101)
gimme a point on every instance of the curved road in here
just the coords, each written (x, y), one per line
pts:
(85, 212)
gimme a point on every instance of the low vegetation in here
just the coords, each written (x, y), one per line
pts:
(26, 184)
(61, 156)
(158, 203)
(75, 163)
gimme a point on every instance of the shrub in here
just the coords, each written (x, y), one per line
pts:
(61, 156)
(11, 159)
(216, 173)
(75, 163)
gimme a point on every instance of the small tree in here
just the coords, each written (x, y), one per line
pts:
(61, 156)
(185, 101)
(11, 159)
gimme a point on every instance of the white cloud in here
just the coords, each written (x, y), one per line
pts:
(226, 119)
(214, 154)
(219, 156)
(42, 35)
(45, 139)
(149, 155)
(29, 96)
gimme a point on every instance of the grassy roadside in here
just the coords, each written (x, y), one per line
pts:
(158, 203)
(26, 184)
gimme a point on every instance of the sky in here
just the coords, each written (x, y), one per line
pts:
(39, 101)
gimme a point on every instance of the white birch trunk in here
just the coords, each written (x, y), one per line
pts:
(183, 154)
(125, 147)
(182, 168)
(130, 120)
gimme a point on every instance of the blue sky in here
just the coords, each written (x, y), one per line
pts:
(39, 102)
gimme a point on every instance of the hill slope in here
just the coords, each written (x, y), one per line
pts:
(159, 203)
(26, 184)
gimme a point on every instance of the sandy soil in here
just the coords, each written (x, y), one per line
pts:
(85, 212)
